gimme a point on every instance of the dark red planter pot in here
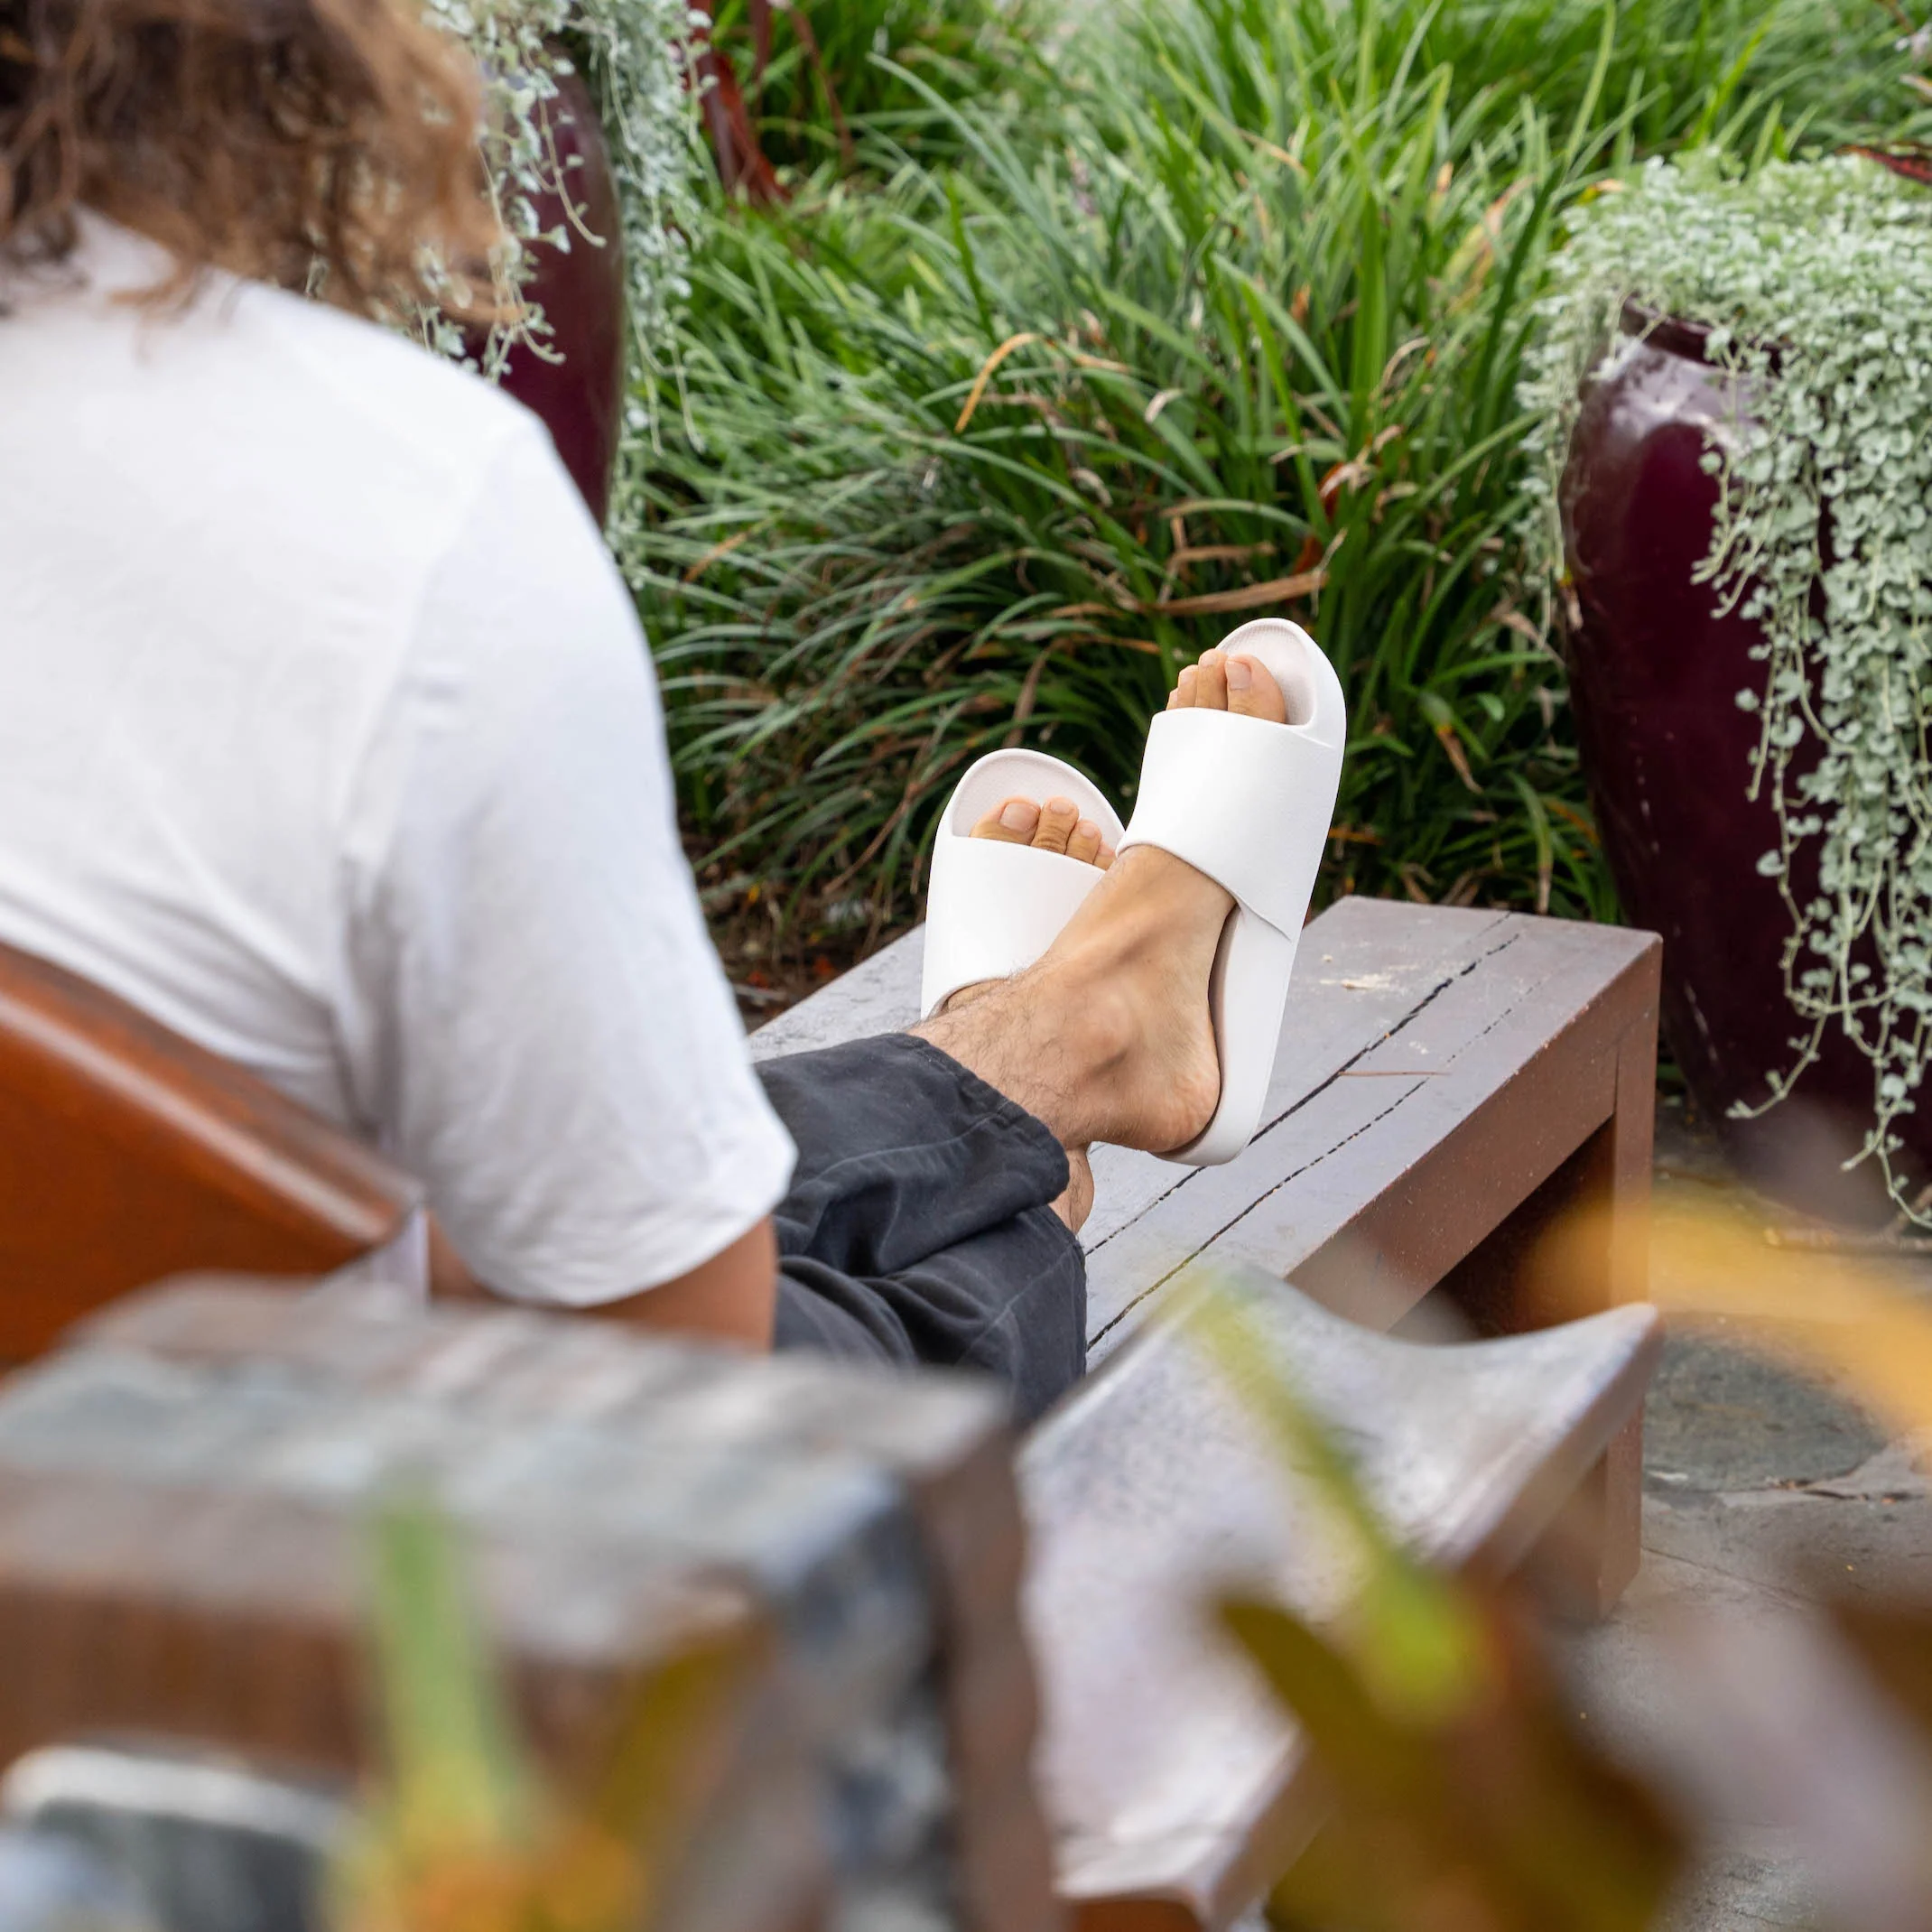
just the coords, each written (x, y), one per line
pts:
(1655, 674)
(582, 397)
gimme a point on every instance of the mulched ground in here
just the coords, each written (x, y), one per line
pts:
(769, 973)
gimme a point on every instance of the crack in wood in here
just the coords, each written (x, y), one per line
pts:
(1510, 937)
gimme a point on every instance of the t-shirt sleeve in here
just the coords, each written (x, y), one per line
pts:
(535, 1022)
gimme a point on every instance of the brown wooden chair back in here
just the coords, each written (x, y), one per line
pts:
(127, 1153)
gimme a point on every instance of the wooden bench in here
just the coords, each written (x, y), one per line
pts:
(1447, 1082)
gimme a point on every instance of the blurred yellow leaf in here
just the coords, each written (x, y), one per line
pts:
(1711, 1261)
(1498, 1818)
(463, 1835)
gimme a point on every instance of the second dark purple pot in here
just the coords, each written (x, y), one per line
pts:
(581, 398)
(1655, 674)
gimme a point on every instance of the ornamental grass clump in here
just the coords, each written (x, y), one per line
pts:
(988, 436)
(1816, 282)
(993, 449)
(818, 74)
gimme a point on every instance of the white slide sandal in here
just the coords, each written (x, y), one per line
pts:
(1248, 804)
(994, 908)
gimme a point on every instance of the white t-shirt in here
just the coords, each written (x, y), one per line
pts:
(329, 736)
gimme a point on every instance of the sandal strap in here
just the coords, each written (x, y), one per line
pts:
(1020, 900)
(1244, 801)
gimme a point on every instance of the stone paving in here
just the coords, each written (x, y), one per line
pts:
(1760, 1487)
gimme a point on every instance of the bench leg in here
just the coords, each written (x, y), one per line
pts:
(1593, 1550)
(1624, 1160)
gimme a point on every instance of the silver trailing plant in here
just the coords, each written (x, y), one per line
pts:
(1817, 281)
(633, 54)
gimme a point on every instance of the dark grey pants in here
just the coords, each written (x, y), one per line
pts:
(919, 1225)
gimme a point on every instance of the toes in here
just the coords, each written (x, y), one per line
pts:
(1014, 823)
(1055, 827)
(1058, 819)
(1219, 682)
(1211, 682)
(1252, 692)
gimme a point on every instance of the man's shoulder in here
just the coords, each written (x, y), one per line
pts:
(242, 377)
(379, 397)
(359, 451)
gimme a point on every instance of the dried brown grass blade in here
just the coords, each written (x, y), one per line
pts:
(987, 369)
(1250, 597)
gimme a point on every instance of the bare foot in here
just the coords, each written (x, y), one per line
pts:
(1108, 1036)
(1223, 683)
(1218, 683)
(1056, 826)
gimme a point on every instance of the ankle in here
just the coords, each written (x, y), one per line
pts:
(1147, 900)
(1053, 1039)
(1096, 1016)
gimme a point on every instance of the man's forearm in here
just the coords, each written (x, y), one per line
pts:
(732, 1297)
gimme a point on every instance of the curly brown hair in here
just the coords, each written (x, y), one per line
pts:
(267, 138)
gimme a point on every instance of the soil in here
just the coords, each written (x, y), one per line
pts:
(771, 968)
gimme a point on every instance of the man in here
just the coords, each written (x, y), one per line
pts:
(328, 737)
